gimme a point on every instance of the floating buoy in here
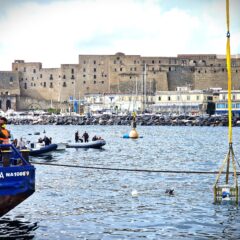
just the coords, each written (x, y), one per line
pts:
(133, 133)
(134, 193)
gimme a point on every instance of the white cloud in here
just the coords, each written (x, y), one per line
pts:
(57, 32)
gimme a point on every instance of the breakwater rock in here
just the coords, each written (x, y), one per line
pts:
(144, 120)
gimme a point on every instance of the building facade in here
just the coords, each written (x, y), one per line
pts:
(182, 101)
(117, 74)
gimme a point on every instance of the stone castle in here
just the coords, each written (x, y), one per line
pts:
(29, 85)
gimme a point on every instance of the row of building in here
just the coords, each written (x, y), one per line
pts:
(181, 101)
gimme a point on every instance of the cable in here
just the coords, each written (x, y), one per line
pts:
(129, 169)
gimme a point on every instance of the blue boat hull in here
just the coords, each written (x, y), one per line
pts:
(43, 150)
(16, 184)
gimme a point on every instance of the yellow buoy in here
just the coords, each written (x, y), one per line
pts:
(133, 133)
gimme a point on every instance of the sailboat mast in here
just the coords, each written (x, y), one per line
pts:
(144, 87)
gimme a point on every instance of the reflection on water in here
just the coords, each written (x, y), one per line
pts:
(71, 203)
(16, 228)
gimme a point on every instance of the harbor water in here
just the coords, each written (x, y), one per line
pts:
(85, 203)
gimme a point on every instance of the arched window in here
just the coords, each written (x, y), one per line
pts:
(0, 104)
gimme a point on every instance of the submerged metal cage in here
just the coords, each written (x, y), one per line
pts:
(227, 190)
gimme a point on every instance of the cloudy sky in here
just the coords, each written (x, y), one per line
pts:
(57, 31)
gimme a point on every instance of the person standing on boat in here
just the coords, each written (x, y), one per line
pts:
(76, 136)
(85, 136)
(4, 133)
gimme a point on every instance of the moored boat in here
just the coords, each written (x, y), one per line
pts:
(37, 149)
(17, 178)
(92, 144)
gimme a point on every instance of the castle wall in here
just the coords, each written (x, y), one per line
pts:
(9, 83)
(117, 73)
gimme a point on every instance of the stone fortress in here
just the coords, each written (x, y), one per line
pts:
(29, 85)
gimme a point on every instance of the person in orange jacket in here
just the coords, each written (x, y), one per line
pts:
(4, 133)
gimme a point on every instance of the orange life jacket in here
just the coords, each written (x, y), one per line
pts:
(5, 135)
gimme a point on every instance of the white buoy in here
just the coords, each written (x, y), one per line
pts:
(134, 193)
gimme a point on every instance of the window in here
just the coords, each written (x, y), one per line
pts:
(197, 98)
(51, 77)
(159, 98)
(64, 76)
(234, 97)
(84, 70)
(84, 82)
(152, 61)
(64, 84)
(120, 69)
(34, 70)
(153, 69)
(44, 84)
(135, 61)
(169, 98)
(188, 98)
(72, 71)
(51, 85)
(94, 76)
(114, 62)
(16, 69)
(102, 82)
(84, 62)
(33, 78)
(40, 75)
(199, 71)
(135, 69)
(178, 98)
(72, 77)
(94, 82)
(84, 75)
(25, 85)
(94, 69)
(159, 61)
(11, 79)
(24, 69)
(94, 62)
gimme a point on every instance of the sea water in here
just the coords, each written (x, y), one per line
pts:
(83, 203)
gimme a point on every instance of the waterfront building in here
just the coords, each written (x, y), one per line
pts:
(222, 103)
(182, 101)
(117, 103)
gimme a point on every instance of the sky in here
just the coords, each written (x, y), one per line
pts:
(55, 32)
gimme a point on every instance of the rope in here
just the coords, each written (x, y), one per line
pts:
(129, 169)
(229, 71)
